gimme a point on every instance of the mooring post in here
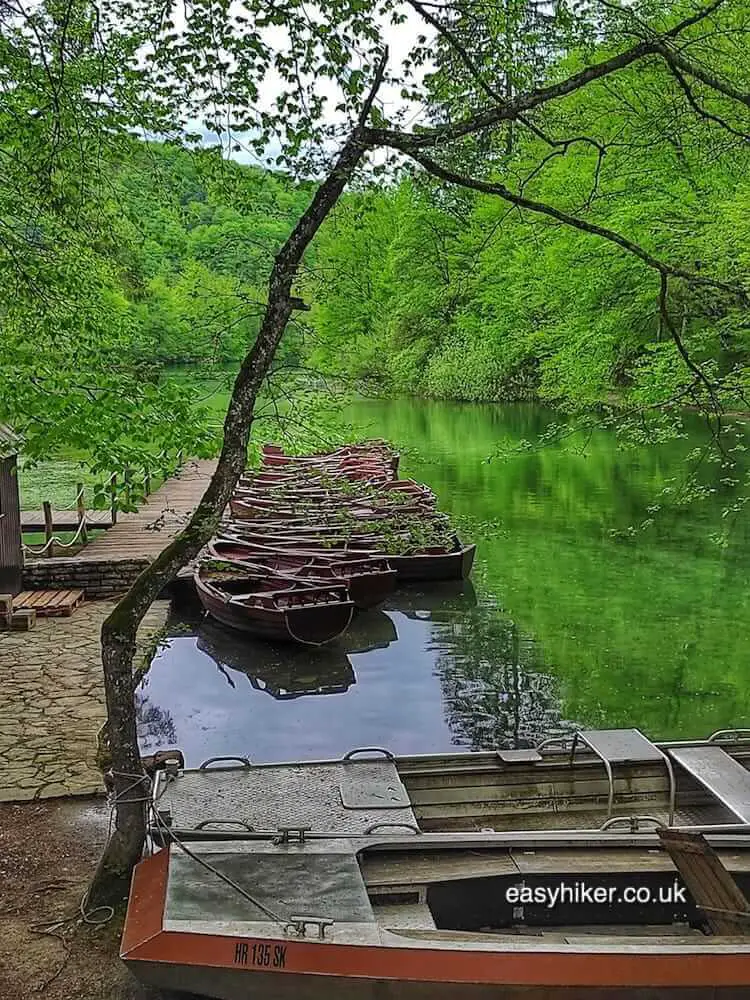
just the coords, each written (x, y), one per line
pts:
(113, 496)
(147, 482)
(48, 527)
(81, 513)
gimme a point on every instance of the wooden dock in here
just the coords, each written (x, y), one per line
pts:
(65, 520)
(143, 534)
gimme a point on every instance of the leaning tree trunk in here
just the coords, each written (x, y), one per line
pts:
(119, 630)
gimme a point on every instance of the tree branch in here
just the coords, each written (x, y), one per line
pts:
(574, 222)
(448, 35)
(513, 109)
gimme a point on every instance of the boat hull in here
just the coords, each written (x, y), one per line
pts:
(304, 625)
(277, 965)
(313, 624)
(455, 565)
(368, 585)
(231, 984)
(435, 566)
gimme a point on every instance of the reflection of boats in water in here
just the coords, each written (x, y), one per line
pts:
(285, 671)
(421, 600)
(374, 630)
(282, 671)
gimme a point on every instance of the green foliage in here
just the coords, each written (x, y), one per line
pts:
(469, 299)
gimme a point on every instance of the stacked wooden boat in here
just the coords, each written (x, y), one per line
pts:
(311, 538)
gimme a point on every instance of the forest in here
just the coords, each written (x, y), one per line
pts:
(448, 298)
(414, 287)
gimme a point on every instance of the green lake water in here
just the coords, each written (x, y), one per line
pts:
(565, 624)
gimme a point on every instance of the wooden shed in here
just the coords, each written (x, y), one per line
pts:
(11, 553)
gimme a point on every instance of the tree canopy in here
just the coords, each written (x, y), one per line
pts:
(562, 212)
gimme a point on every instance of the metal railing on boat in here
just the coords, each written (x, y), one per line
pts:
(618, 746)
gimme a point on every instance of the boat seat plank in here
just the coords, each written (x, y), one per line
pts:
(417, 868)
(395, 916)
(721, 775)
(621, 746)
(570, 861)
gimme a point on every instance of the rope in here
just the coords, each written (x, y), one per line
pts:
(79, 496)
(308, 642)
(82, 913)
(54, 540)
(277, 918)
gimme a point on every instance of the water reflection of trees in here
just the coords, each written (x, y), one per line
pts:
(156, 728)
(495, 692)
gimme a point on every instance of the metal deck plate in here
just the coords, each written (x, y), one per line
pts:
(267, 797)
(286, 880)
(621, 746)
(363, 791)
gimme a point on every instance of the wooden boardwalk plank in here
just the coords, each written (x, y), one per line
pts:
(64, 520)
(146, 532)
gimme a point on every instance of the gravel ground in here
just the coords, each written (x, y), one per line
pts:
(48, 851)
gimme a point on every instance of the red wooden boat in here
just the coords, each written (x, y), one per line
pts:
(244, 506)
(310, 487)
(373, 453)
(432, 563)
(272, 607)
(435, 563)
(464, 876)
(369, 580)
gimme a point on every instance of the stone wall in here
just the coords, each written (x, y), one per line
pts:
(98, 578)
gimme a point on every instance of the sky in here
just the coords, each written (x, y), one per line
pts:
(399, 38)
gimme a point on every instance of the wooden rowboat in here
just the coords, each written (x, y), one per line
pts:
(369, 580)
(306, 488)
(245, 507)
(372, 453)
(274, 608)
(434, 563)
(253, 902)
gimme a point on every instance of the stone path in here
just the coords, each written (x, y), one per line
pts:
(52, 703)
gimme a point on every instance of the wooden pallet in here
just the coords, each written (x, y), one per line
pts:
(47, 603)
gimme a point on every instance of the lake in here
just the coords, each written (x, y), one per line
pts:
(570, 619)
